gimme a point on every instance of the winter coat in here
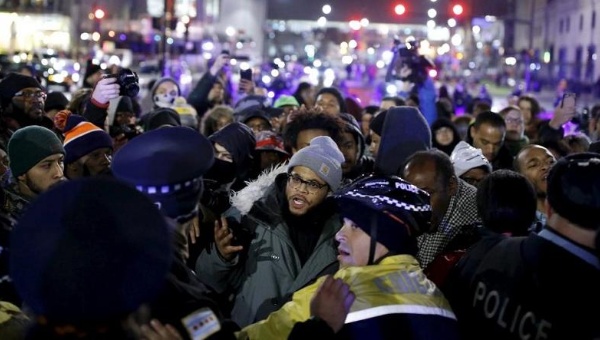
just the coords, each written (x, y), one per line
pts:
(269, 269)
(198, 98)
(530, 287)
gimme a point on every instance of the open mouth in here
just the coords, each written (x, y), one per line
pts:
(342, 252)
(298, 202)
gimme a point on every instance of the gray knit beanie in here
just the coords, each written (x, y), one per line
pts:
(324, 158)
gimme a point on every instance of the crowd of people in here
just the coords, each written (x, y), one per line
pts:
(306, 216)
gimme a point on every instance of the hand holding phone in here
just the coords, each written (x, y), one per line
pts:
(564, 112)
(246, 74)
(246, 84)
(568, 100)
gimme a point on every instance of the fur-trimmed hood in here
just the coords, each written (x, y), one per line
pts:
(244, 199)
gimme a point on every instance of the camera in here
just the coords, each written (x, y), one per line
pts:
(406, 54)
(129, 131)
(128, 82)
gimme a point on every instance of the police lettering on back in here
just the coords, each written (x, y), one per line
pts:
(513, 318)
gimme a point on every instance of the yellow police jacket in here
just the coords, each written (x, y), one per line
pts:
(396, 285)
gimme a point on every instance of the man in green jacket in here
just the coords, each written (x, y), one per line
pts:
(279, 234)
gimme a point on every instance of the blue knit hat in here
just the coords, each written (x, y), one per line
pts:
(324, 158)
(89, 250)
(81, 136)
(167, 165)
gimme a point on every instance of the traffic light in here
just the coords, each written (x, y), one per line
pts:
(400, 9)
(99, 13)
(457, 9)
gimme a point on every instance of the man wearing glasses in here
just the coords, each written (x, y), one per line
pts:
(22, 102)
(279, 234)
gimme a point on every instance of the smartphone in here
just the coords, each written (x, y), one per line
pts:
(246, 74)
(568, 100)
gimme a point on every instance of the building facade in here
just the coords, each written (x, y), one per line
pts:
(562, 36)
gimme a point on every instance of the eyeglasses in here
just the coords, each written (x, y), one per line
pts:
(514, 120)
(311, 186)
(29, 95)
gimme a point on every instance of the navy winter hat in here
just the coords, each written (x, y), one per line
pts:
(257, 113)
(167, 165)
(402, 210)
(72, 264)
(13, 83)
(81, 136)
(160, 117)
(377, 122)
(574, 189)
(248, 104)
(56, 101)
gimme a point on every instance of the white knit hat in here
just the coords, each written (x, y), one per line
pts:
(465, 157)
(324, 158)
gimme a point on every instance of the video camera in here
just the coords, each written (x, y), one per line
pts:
(407, 54)
(128, 82)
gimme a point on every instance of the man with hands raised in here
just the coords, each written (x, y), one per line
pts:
(279, 234)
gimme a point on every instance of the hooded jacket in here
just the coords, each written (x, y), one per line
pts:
(405, 131)
(269, 268)
(364, 164)
(238, 139)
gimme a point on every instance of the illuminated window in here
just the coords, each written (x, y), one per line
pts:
(212, 9)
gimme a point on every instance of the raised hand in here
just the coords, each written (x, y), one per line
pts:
(223, 239)
(105, 90)
(331, 303)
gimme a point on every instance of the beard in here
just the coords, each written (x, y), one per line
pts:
(33, 186)
(25, 118)
(36, 189)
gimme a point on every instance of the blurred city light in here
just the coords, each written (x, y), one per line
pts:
(431, 13)
(99, 13)
(208, 45)
(244, 65)
(230, 31)
(364, 22)
(322, 21)
(326, 9)
(451, 22)
(400, 9)
(457, 9)
(355, 25)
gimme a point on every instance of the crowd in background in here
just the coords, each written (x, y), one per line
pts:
(168, 217)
